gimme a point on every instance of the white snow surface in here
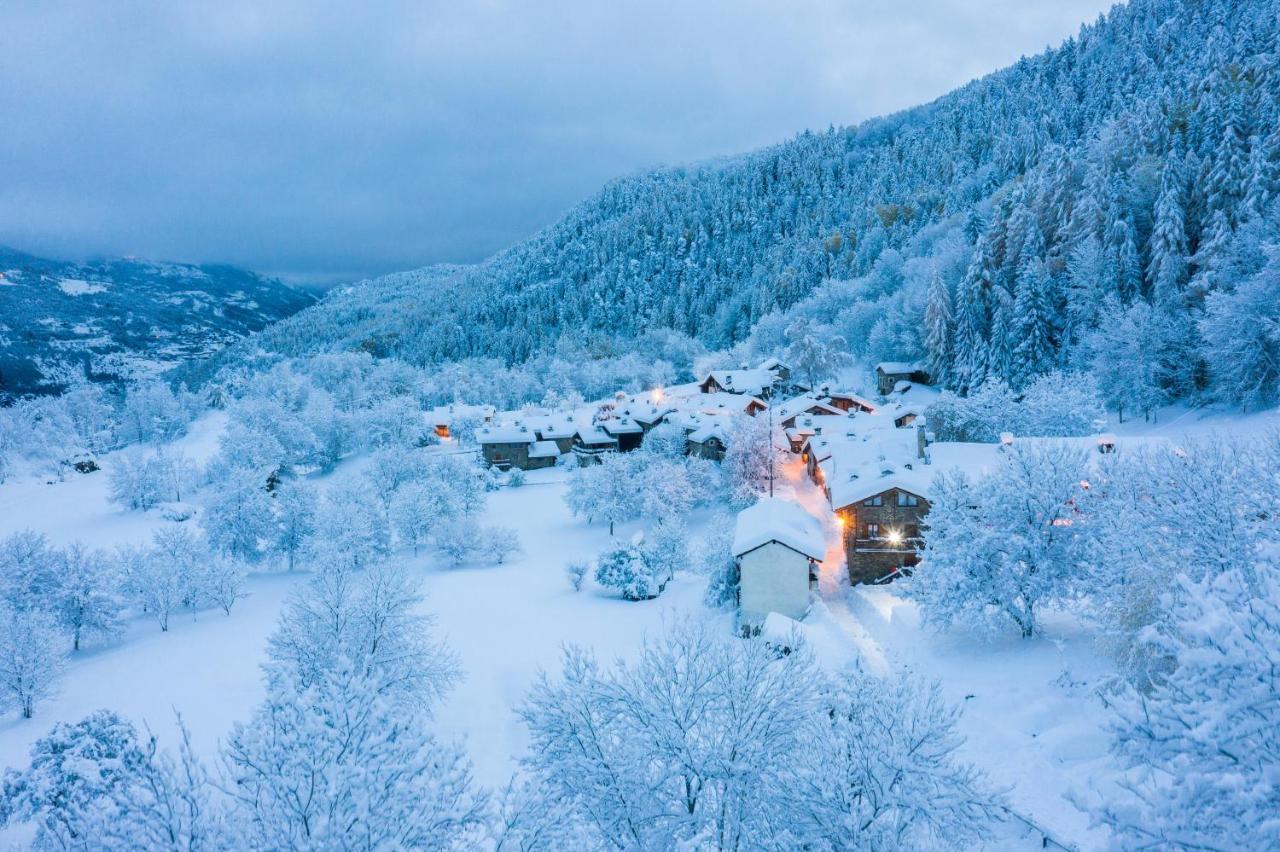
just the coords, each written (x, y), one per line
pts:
(80, 287)
(781, 520)
(1033, 716)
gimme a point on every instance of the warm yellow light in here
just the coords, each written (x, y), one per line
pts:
(895, 537)
(840, 521)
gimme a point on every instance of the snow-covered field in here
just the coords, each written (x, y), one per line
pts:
(1033, 719)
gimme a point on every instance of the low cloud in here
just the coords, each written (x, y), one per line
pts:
(331, 141)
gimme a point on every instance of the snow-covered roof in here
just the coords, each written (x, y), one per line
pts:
(787, 409)
(620, 426)
(444, 415)
(743, 381)
(772, 364)
(505, 433)
(726, 403)
(648, 414)
(592, 436)
(891, 367)
(543, 450)
(859, 401)
(711, 429)
(855, 468)
(557, 424)
(783, 521)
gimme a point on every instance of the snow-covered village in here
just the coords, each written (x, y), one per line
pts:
(910, 484)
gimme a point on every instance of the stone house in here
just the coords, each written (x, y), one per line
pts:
(708, 441)
(590, 443)
(880, 528)
(890, 373)
(505, 446)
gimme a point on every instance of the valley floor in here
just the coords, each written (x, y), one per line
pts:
(1032, 714)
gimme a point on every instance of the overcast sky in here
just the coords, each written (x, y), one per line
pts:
(329, 141)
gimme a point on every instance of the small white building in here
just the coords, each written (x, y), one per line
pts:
(777, 545)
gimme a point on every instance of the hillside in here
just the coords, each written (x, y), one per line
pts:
(123, 317)
(1136, 162)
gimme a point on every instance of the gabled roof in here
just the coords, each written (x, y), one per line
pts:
(444, 415)
(592, 436)
(772, 364)
(727, 403)
(620, 426)
(895, 367)
(860, 401)
(506, 433)
(798, 405)
(543, 450)
(742, 381)
(712, 429)
(783, 521)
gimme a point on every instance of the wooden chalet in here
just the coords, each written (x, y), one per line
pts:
(890, 373)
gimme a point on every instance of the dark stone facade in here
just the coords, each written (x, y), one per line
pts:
(882, 534)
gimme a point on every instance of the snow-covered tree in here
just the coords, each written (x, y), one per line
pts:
(458, 539)
(603, 491)
(1241, 332)
(238, 520)
(999, 548)
(139, 481)
(339, 752)
(576, 571)
(716, 560)
(1058, 404)
(395, 423)
(1035, 350)
(74, 769)
(1124, 357)
(751, 461)
(296, 505)
(666, 548)
(416, 511)
(690, 744)
(882, 772)
(352, 531)
(390, 468)
(86, 594)
(151, 412)
(28, 570)
(223, 580)
(666, 440)
(32, 658)
(370, 620)
(1220, 487)
(498, 544)
(337, 763)
(625, 568)
(939, 330)
(1201, 745)
(662, 487)
(814, 354)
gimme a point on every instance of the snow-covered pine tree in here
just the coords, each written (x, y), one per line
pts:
(939, 330)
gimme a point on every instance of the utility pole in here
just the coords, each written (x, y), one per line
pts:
(772, 450)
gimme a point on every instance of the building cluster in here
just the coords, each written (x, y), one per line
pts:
(704, 411)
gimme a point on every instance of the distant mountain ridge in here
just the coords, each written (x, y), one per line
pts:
(1132, 163)
(122, 318)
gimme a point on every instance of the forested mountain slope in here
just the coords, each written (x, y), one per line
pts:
(1130, 173)
(116, 318)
